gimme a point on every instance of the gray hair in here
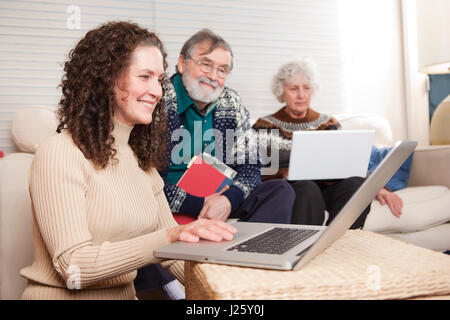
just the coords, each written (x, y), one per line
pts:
(202, 36)
(303, 66)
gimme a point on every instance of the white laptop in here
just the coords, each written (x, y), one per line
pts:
(330, 154)
(271, 246)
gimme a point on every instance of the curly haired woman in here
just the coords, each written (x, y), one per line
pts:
(99, 208)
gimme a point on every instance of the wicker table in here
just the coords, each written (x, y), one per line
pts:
(360, 265)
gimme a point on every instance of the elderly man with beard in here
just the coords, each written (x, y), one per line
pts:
(198, 103)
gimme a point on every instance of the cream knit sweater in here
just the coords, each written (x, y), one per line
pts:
(92, 229)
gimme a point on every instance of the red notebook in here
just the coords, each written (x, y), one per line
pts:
(203, 178)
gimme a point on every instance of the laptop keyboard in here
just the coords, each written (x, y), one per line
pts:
(274, 241)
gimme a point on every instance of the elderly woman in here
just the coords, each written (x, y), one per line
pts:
(99, 208)
(294, 85)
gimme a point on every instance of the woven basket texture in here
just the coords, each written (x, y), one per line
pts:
(359, 265)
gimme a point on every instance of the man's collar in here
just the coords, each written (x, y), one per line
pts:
(183, 98)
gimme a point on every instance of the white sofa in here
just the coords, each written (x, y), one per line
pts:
(32, 125)
(426, 213)
(29, 128)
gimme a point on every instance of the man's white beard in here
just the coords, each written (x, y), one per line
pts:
(199, 93)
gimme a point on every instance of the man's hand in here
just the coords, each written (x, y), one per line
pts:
(216, 207)
(394, 202)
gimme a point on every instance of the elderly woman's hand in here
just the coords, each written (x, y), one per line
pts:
(394, 202)
(207, 229)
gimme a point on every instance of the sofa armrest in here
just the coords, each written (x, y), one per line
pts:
(430, 166)
(16, 245)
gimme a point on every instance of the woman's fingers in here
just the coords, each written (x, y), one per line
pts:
(394, 202)
(208, 234)
(225, 234)
(398, 204)
(227, 226)
(188, 237)
(380, 199)
(395, 206)
(213, 230)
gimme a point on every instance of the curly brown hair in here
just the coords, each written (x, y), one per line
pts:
(87, 106)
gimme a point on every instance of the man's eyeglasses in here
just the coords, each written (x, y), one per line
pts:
(208, 67)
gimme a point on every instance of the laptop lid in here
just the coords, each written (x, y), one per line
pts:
(361, 199)
(330, 154)
(297, 257)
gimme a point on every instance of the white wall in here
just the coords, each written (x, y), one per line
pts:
(357, 44)
(264, 34)
(35, 39)
(416, 83)
(374, 31)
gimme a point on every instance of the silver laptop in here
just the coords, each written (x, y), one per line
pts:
(330, 154)
(257, 245)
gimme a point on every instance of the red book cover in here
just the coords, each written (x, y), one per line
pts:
(201, 179)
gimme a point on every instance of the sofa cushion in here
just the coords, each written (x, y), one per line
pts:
(31, 126)
(383, 133)
(435, 238)
(423, 208)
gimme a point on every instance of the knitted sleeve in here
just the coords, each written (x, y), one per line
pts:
(276, 145)
(331, 124)
(243, 151)
(182, 202)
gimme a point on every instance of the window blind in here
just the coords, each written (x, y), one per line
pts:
(36, 37)
(263, 35)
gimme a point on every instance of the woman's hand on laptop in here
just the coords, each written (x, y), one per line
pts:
(394, 202)
(212, 230)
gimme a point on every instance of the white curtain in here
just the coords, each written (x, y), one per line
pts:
(416, 83)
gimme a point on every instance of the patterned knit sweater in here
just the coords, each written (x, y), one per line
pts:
(230, 118)
(92, 229)
(285, 125)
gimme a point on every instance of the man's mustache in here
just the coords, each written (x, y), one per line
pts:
(204, 79)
